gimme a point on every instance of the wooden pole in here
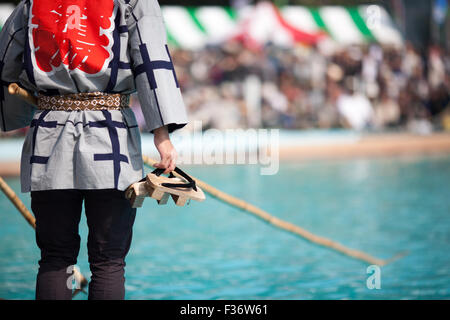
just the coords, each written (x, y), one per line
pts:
(15, 89)
(32, 222)
(284, 225)
(261, 214)
(12, 196)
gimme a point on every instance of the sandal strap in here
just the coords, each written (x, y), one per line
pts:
(190, 184)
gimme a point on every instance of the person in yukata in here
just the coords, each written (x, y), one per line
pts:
(82, 59)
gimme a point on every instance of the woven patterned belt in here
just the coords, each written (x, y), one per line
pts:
(84, 101)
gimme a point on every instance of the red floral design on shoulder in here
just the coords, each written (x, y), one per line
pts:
(75, 33)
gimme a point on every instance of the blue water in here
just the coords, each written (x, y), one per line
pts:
(213, 251)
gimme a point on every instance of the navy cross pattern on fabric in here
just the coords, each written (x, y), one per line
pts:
(36, 124)
(116, 157)
(149, 66)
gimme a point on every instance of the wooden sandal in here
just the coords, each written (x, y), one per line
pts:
(181, 189)
(158, 187)
(136, 193)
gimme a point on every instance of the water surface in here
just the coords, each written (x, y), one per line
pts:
(214, 251)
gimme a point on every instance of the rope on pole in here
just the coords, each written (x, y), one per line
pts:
(284, 225)
(12, 196)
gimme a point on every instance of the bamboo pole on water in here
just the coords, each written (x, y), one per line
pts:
(261, 214)
(284, 225)
(12, 196)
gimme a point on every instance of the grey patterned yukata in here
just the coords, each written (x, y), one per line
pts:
(109, 46)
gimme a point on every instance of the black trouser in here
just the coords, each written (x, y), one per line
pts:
(110, 219)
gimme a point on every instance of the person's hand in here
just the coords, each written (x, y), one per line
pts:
(166, 150)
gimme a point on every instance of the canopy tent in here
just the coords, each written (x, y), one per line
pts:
(5, 12)
(195, 27)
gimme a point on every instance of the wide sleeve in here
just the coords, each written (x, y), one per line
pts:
(14, 112)
(156, 81)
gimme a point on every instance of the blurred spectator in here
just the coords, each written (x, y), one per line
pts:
(355, 87)
(386, 112)
(363, 88)
(355, 108)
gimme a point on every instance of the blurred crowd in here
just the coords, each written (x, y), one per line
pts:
(363, 88)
